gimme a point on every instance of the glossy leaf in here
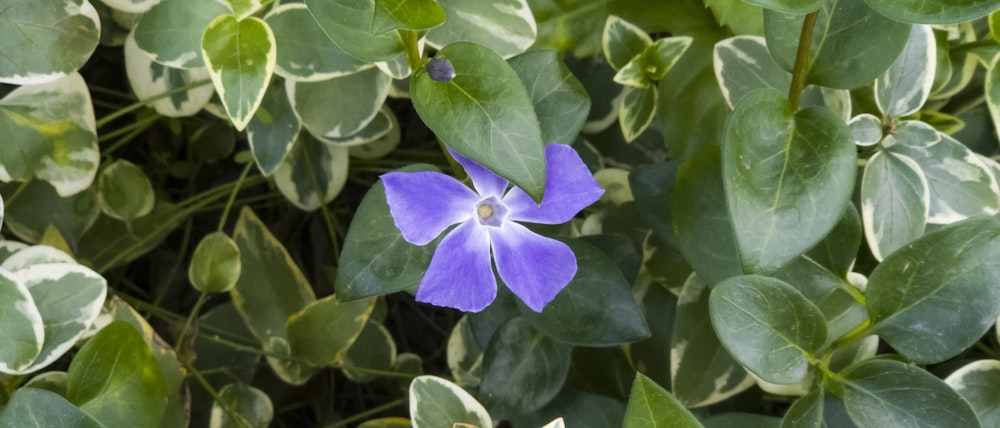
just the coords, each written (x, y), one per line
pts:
(505, 26)
(373, 350)
(435, 402)
(215, 266)
(273, 130)
(649, 405)
(817, 409)
(622, 40)
(560, 100)
(341, 106)
(171, 31)
(522, 369)
(637, 111)
(866, 129)
(38, 408)
(993, 90)
(356, 28)
(304, 51)
(382, 145)
(768, 326)
(935, 11)
(148, 79)
(313, 172)
(323, 331)
(935, 297)
(115, 378)
(891, 393)
(788, 176)
(45, 40)
(23, 328)
(240, 56)
(905, 86)
(743, 65)
(485, 114)
(251, 408)
(978, 383)
(124, 192)
(851, 44)
(895, 201)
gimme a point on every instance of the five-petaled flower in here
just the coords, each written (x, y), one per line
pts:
(534, 267)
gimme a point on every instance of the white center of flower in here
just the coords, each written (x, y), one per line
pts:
(485, 211)
(491, 212)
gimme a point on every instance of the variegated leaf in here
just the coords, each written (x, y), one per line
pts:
(341, 106)
(637, 111)
(313, 173)
(44, 40)
(506, 26)
(240, 55)
(251, 408)
(149, 78)
(895, 201)
(305, 53)
(23, 329)
(170, 32)
(905, 86)
(435, 402)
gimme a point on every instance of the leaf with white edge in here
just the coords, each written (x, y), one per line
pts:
(768, 326)
(701, 371)
(743, 65)
(350, 23)
(649, 405)
(33, 255)
(789, 6)
(464, 354)
(961, 185)
(23, 330)
(523, 369)
(340, 106)
(244, 8)
(288, 369)
(273, 130)
(131, 6)
(557, 423)
(8, 248)
(271, 287)
(505, 26)
(663, 55)
(124, 192)
(44, 40)
(380, 146)
(322, 332)
(115, 378)
(373, 350)
(240, 56)
(895, 201)
(935, 11)
(383, 122)
(69, 299)
(304, 51)
(313, 173)
(485, 114)
(250, 406)
(937, 296)
(622, 40)
(52, 129)
(38, 408)
(993, 90)
(879, 393)
(561, 102)
(633, 74)
(148, 79)
(866, 129)
(40, 207)
(788, 177)
(170, 32)
(215, 265)
(435, 402)
(979, 383)
(905, 86)
(637, 111)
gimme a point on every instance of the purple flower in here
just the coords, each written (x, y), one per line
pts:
(535, 268)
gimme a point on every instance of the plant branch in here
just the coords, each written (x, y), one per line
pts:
(801, 70)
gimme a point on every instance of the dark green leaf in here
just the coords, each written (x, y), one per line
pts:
(649, 405)
(38, 408)
(124, 192)
(561, 102)
(349, 24)
(789, 6)
(323, 331)
(373, 351)
(273, 130)
(522, 369)
(895, 199)
(743, 65)
(934, 11)
(45, 40)
(817, 409)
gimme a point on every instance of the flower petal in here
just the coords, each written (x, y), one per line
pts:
(534, 267)
(569, 188)
(423, 204)
(461, 274)
(487, 183)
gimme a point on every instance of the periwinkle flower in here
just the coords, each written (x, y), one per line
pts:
(534, 267)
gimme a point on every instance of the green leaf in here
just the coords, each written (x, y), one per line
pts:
(382, 145)
(51, 135)
(115, 378)
(149, 79)
(741, 17)
(768, 326)
(45, 40)
(23, 330)
(866, 129)
(215, 265)
(993, 90)
(979, 383)
(373, 351)
(313, 172)
(637, 111)
(851, 44)
(596, 308)
(271, 287)
(961, 185)
(522, 369)
(660, 58)
(359, 28)
(124, 192)
(341, 106)
(743, 65)
(383, 122)
(38, 408)
(485, 114)
(740, 420)
(905, 86)
(465, 355)
(304, 51)
(788, 177)
(435, 402)
(649, 405)
(323, 331)
(633, 74)
(817, 409)
(560, 100)
(935, 11)
(130, 6)
(895, 200)
(701, 371)
(622, 41)
(789, 6)
(252, 408)
(273, 130)
(392, 15)
(505, 26)
(240, 56)
(40, 207)
(171, 31)
(935, 297)
(701, 218)
(880, 393)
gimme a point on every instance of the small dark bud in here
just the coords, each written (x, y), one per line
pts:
(440, 70)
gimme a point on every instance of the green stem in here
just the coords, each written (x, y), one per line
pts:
(127, 139)
(215, 396)
(187, 324)
(857, 333)
(232, 196)
(413, 58)
(142, 124)
(142, 103)
(983, 43)
(17, 192)
(801, 70)
(367, 413)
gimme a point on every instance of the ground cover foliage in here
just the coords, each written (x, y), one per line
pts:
(722, 213)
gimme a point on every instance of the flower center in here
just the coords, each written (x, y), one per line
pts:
(491, 212)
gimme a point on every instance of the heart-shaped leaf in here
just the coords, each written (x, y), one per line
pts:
(240, 56)
(124, 192)
(505, 26)
(44, 40)
(215, 265)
